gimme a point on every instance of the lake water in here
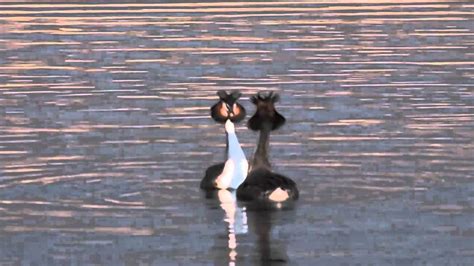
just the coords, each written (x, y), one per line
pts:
(105, 131)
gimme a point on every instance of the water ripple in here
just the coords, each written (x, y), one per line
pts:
(105, 129)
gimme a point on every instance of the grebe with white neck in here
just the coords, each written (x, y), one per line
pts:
(261, 182)
(231, 173)
(236, 167)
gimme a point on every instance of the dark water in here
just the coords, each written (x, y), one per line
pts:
(105, 131)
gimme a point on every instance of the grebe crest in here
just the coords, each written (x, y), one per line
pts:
(228, 107)
(266, 113)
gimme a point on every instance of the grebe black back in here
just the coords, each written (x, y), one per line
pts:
(261, 182)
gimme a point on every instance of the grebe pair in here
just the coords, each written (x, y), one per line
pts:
(260, 183)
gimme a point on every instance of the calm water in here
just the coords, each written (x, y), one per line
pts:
(105, 131)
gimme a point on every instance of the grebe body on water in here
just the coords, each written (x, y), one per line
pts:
(261, 182)
(231, 173)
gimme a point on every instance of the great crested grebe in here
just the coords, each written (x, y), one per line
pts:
(231, 173)
(228, 108)
(261, 182)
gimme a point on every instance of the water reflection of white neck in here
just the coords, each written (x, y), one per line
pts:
(236, 217)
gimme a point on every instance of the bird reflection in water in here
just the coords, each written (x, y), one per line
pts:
(262, 217)
(250, 226)
(236, 217)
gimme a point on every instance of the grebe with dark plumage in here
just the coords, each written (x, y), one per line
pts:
(231, 173)
(261, 182)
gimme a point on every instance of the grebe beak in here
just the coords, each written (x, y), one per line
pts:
(230, 110)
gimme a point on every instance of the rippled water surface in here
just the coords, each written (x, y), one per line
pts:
(105, 131)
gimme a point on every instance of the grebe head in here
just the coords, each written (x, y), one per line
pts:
(266, 112)
(228, 107)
